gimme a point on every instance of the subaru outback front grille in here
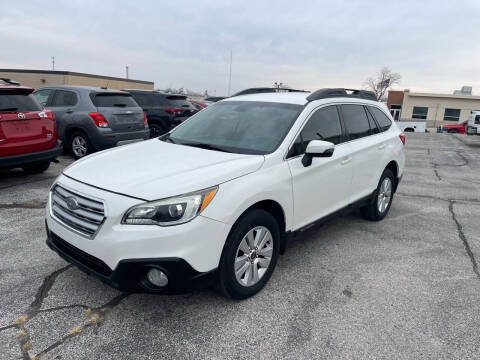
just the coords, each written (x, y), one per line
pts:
(79, 213)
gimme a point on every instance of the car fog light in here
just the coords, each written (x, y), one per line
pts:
(157, 277)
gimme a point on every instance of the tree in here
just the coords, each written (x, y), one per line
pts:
(382, 81)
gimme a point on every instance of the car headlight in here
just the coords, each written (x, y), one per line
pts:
(171, 211)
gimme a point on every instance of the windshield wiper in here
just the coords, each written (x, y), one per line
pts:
(9, 109)
(205, 146)
(166, 138)
(120, 105)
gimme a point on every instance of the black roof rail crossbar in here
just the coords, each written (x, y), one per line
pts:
(264, 90)
(10, 81)
(341, 92)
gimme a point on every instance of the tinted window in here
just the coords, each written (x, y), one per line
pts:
(420, 112)
(43, 95)
(373, 126)
(324, 124)
(144, 99)
(383, 120)
(247, 127)
(356, 121)
(178, 101)
(64, 98)
(16, 101)
(113, 99)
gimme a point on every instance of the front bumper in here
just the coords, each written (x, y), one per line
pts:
(186, 252)
(130, 275)
(30, 158)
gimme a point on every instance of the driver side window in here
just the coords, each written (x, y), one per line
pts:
(324, 124)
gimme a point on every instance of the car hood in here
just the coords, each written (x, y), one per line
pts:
(154, 169)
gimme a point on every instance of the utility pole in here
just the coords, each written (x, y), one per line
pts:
(230, 75)
(53, 63)
(126, 69)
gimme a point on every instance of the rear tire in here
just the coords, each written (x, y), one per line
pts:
(36, 168)
(382, 200)
(79, 145)
(453, 131)
(242, 275)
(156, 130)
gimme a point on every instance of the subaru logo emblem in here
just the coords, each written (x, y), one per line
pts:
(21, 116)
(72, 203)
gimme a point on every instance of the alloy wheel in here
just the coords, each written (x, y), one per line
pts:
(253, 256)
(79, 146)
(384, 195)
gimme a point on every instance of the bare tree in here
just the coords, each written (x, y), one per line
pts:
(382, 81)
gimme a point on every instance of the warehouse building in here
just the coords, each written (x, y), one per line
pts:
(434, 109)
(39, 78)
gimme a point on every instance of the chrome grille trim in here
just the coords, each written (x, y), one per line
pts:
(85, 220)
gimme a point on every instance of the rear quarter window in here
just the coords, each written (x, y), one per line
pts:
(113, 100)
(383, 121)
(18, 101)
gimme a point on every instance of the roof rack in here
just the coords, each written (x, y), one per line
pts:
(9, 81)
(340, 92)
(263, 90)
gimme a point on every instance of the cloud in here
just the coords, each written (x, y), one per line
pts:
(304, 44)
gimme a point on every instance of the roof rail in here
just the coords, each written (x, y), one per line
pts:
(9, 81)
(341, 92)
(263, 90)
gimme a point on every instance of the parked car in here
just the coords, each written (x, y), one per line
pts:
(164, 111)
(473, 124)
(412, 126)
(91, 119)
(216, 198)
(28, 133)
(199, 105)
(459, 128)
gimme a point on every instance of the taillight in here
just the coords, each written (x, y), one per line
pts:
(173, 110)
(145, 121)
(99, 119)
(402, 138)
(47, 114)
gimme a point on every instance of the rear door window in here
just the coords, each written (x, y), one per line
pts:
(324, 125)
(64, 98)
(112, 100)
(356, 121)
(383, 121)
(18, 101)
(373, 126)
(43, 95)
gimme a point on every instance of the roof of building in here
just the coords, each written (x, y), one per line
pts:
(51, 72)
(451, 96)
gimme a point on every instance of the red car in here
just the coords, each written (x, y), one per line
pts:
(199, 105)
(28, 132)
(459, 128)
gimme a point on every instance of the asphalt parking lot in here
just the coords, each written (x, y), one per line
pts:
(404, 288)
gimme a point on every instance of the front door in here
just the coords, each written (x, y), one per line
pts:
(324, 186)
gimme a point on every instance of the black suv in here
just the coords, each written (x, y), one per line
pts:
(164, 111)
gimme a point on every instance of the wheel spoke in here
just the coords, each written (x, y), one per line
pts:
(255, 277)
(248, 275)
(244, 246)
(259, 237)
(264, 240)
(266, 252)
(239, 261)
(263, 262)
(250, 239)
(242, 270)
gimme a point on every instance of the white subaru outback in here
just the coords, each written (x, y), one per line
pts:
(216, 199)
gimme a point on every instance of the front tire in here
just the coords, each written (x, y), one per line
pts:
(250, 255)
(383, 197)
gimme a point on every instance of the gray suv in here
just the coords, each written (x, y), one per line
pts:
(91, 119)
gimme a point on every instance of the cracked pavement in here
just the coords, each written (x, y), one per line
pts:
(407, 287)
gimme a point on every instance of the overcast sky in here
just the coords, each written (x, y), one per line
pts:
(435, 45)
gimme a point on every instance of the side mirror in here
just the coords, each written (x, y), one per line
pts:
(317, 148)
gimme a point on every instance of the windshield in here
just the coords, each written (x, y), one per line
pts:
(245, 127)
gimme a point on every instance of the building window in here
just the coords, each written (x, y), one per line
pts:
(420, 112)
(393, 106)
(452, 115)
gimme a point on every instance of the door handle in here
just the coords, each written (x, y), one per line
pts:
(69, 111)
(346, 160)
(381, 147)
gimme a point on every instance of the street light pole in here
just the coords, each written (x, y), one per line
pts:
(53, 63)
(126, 69)
(230, 74)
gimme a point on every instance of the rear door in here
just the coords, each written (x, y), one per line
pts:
(366, 143)
(63, 104)
(24, 127)
(120, 109)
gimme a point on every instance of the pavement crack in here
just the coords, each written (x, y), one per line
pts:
(27, 182)
(464, 239)
(36, 204)
(7, 327)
